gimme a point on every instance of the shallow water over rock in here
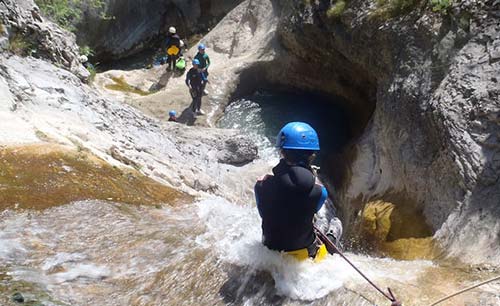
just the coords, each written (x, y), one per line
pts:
(206, 253)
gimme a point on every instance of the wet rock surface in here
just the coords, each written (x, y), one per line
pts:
(238, 151)
(53, 105)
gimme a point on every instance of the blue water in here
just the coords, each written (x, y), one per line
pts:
(262, 114)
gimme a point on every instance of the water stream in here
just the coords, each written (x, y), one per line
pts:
(205, 253)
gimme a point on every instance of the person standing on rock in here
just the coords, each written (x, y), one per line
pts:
(289, 199)
(194, 81)
(173, 47)
(204, 64)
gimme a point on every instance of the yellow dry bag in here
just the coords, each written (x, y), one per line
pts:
(173, 50)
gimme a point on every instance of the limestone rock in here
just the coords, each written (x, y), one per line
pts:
(47, 39)
(133, 25)
(54, 105)
(238, 151)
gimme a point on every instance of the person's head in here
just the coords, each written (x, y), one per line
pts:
(172, 30)
(172, 114)
(201, 48)
(298, 143)
(196, 63)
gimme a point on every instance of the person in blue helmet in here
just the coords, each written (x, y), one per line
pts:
(289, 199)
(204, 64)
(194, 81)
(172, 116)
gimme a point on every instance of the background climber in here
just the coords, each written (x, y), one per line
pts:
(194, 81)
(204, 60)
(172, 116)
(174, 46)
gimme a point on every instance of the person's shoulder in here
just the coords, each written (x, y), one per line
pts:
(264, 181)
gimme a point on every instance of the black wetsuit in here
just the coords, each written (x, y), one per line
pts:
(194, 78)
(287, 202)
(173, 40)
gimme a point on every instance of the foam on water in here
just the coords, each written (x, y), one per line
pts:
(234, 232)
(81, 270)
(11, 245)
(246, 116)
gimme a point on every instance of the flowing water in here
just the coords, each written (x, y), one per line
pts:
(208, 252)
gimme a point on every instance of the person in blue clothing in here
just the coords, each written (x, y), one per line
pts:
(289, 199)
(204, 60)
(194, 81)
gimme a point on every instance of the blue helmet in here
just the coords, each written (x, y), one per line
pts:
(172, 113)
(201, 46)
(297, 136)
(196, 62)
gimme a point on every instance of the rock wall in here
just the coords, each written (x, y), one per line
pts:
(130, 26)
(433, 139)
(22, 21)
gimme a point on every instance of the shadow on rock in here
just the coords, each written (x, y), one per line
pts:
(244, 284)
(187, 116)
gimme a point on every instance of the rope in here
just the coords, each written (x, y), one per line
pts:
(328, 242)
(465, 290)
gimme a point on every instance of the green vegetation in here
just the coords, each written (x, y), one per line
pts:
(87, 51)
(21, 45)
(441, 6)
(337, 9)
(67, 13)
(387, 9)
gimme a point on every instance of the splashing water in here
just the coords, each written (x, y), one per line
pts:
(207, 253)
(234, 232)
(246, 116)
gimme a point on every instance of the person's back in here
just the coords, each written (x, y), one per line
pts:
(173, 47)
(288, 201)
(173, 39)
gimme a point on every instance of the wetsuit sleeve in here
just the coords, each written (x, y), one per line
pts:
(322, 199)
(208, 61)
(187, 77)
